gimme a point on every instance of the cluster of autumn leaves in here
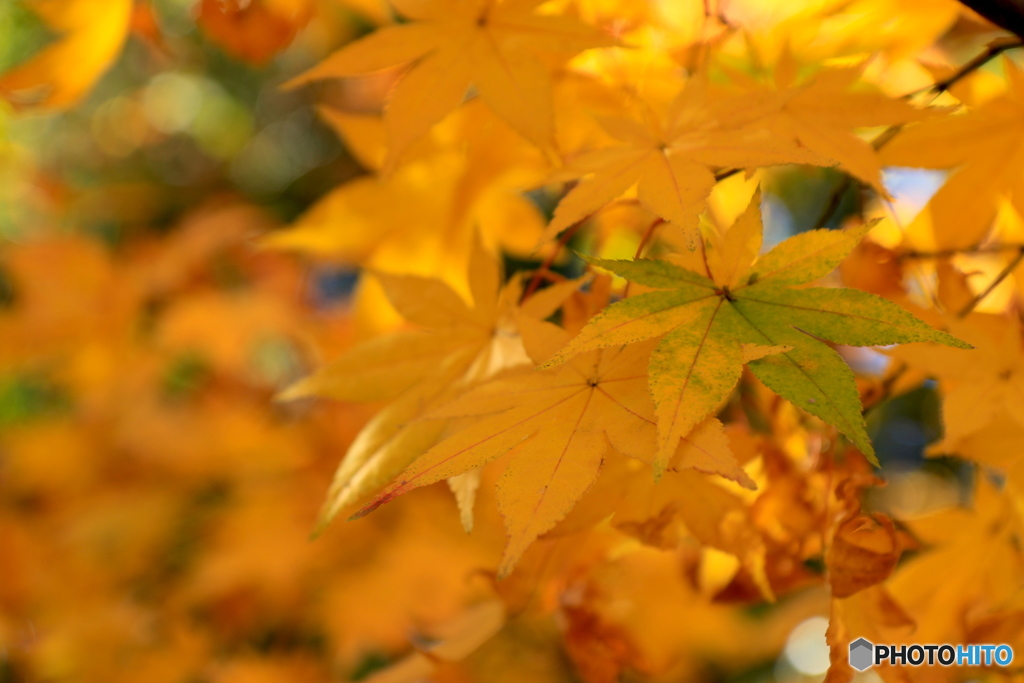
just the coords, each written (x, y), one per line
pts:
(651, 425)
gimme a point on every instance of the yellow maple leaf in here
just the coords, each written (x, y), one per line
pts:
(973, 564)
(977, 388)
(421, 219)
(560, 426)
(685, 503)
(823, 112)
(488, 44)
(670, 160)
(811, 122)
(828, 29)
(459, 345)
(984, 148)
(712, 324)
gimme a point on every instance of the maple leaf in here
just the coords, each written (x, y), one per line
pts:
(685, 503)
(91, 37)
(823, 112)
(392, 223)
(559, 426)
(422, 369)
(491, 45)
(984, 147)
(750, 314)
(864, 548)
(807, 123)
(562, 421)
(821, 30)
(134, 373)
(670, 161)
(972, 564)
(980, 388)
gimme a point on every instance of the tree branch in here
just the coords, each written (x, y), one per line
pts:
(1003, 274)
(946, 253)
(996, 48)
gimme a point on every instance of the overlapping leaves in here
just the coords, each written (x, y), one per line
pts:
(671, 159)
(456, 346)
(558, 426)
(484, 43)
(751, 313)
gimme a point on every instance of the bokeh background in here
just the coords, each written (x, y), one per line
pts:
(156, 500)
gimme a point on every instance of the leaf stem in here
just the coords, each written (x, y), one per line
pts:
(704, 257)
(648, 234)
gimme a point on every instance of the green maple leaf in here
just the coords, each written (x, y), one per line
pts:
(747, 312)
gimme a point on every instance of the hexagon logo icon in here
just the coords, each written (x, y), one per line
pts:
(861, 654)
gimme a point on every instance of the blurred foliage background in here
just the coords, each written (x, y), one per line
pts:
(155, 501)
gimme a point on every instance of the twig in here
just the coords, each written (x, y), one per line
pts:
(939, 87)
(1010, 267)
(946, 253)
(995, 49)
